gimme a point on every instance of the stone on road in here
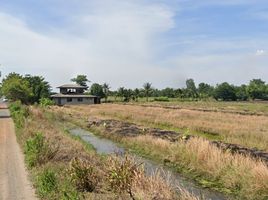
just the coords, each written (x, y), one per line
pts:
(14, 183)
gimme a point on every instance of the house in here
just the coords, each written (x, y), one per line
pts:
(73, 94)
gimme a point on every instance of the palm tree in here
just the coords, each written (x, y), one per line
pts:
(106, 91)
(147, 89)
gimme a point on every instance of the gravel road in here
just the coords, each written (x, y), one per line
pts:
(14, 183)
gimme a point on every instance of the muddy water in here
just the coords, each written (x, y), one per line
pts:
(105, 146)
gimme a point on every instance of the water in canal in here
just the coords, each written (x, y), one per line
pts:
(105, 146)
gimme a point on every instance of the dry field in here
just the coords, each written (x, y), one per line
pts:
(246, 130)
(242, 176)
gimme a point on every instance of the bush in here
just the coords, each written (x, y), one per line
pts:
(47, 182)
(161, 99)
(38, 150)
(19, 112)
(122, 174)
(44, 102)
(83, 175)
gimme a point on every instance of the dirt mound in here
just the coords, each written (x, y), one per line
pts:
(132, 130)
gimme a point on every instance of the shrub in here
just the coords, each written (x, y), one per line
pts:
(38, 150)
(18, 112)
(44, 102)
(161, 99)
(83, 175)
(47, 182)
(122, 174)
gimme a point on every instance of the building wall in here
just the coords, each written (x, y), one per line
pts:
(86, 100)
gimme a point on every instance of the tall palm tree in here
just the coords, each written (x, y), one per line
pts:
(147, 89)
(106, 91)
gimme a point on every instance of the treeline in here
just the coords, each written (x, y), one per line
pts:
(28, 89)
(32, 89)
(256, 89)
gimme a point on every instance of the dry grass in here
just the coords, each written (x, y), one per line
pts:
(247, 130)
(145, 187)
(238, 173)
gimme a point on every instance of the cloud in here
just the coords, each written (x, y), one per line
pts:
(115, 45)
(125, 43)
(260, 52)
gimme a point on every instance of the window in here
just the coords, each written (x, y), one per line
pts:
(69, 99)
(80, 99)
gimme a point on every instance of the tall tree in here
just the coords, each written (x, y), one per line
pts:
(106, 90)
(257, 89)
(15, 87)
(80, 80)
(40, 88)
(191, 88)
(147, 87)
(225, 92)
(97, 90)
(205, 90)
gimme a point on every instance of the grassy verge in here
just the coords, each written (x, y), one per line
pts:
(63, 167)
(241, 176)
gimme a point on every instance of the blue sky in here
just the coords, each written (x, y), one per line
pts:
(129, 42)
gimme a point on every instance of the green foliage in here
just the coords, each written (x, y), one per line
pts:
(106, 91)
(161, 99)
(45, 102)
(147, 89)
(257, 89)
(97, 90)
(46, 182)
(191, 88)
(18, 112)
(39, 88)
(28, 89)
(225, 92)
(83, 175)
(38, 150)
(15, 88)
(80, 80)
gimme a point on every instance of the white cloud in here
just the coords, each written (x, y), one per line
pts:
(115, 46)
(260, 52)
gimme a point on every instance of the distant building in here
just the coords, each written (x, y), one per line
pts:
(73, 94)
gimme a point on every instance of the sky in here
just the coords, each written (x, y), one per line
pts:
(130, 42)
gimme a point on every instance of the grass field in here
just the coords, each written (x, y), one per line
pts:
(246, 130)
(251, 107)
(242, 176)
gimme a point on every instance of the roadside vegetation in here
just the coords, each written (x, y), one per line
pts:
(242, 176)
(63, 167)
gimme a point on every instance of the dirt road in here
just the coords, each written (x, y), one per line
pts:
(14, 183)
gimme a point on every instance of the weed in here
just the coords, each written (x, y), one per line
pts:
(38, 150)
(122, 174)
(47, 182)
(83, 175)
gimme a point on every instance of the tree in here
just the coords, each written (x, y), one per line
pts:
(257, 89)
(97, 90)
(136, 94)
(80, 80)
(168, 92)
(40, 88)
(147, 88)
(205, 90)
(15, 87)
(225, 92)
(191, 88)
(106, 91)
(241, 93)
